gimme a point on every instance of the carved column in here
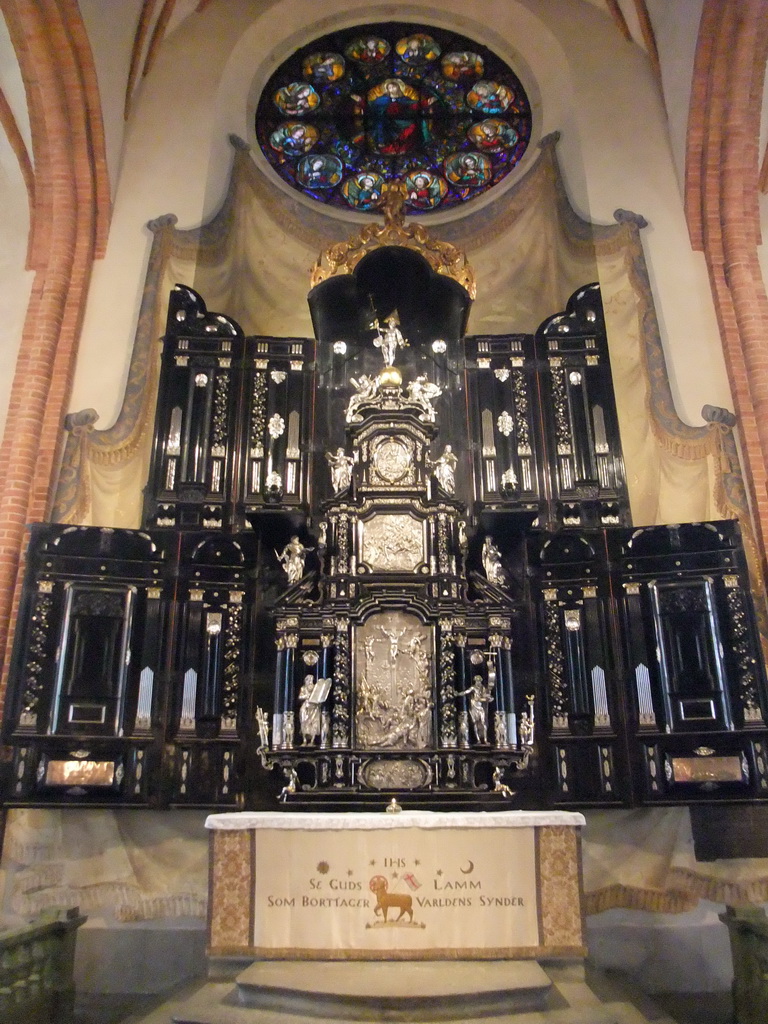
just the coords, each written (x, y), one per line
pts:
(282, 719)
(505, 717)
(462, 684)
(446, 723)
(325, 669)
(341, 686)
(291, 643)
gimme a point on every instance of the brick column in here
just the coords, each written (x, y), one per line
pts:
(69, 217)
(722, 174)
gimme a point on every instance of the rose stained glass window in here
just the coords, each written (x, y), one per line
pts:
(378, 103)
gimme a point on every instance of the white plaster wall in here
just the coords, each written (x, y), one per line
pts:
(628, 162)
(676, 27)
(169, 140)
(111, 28)
(594, 87)
(15, 280)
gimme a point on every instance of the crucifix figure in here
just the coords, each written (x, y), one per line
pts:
(393, 636)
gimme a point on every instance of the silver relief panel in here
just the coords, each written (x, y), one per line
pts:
(393, 682)
(392, 543)
(392, 462)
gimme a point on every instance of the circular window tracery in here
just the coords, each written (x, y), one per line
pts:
(356, 109)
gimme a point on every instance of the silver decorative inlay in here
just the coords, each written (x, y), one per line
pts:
(276, 426)
(505, 423)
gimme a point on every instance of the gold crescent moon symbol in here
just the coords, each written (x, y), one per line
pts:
(469, 870)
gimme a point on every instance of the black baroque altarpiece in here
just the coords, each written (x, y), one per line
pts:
(390, 562)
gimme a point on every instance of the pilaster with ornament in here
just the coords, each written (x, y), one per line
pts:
(220, 427)
(638, 656)
(744, 649)
(443, 545)
(325, 671)
(563, 438)
(230, 698)
(342, 667)
(286, 641)
(446, 714)
(505, 717)
(34, 666)
(557, 686)
(257, 428)
(150, 659)
(273, 483)
(521, 406)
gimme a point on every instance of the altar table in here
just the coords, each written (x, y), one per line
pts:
(415, 885)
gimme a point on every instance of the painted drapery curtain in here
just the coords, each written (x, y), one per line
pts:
(530, 252)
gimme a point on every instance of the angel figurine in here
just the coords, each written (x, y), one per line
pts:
(423, 392)
(366, 388)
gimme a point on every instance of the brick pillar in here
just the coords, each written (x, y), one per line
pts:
(722, 173)
(69, 217)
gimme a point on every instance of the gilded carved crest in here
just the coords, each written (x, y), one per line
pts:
(444, 258)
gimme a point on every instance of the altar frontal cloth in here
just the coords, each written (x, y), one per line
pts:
(410, 886)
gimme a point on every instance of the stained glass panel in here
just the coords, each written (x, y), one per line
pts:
(378, 103)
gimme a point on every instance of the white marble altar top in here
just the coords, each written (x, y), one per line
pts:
(313, 821)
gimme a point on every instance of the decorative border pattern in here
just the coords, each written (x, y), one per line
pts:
(230, 891)
(558, 861)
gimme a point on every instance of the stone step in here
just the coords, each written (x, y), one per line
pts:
(569, 998)
(395, 991)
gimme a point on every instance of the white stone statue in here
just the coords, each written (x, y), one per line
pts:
(444, 470)
(341, 469)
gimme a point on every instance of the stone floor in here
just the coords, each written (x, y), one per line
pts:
(607, 998)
